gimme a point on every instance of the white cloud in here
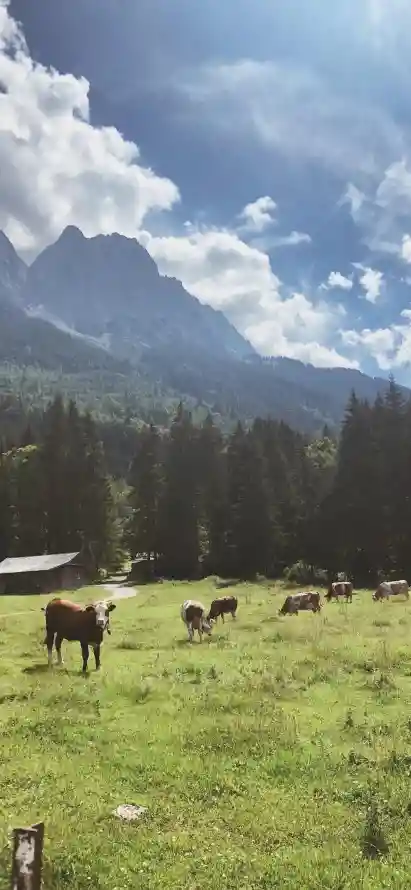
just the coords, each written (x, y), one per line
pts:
(383, 213)
(257, 218)
(222, 270)
(406, 248)
(379, 343)
(290, 109)
(259, 215)
(55, 167)
(291, 240)
(390, 347)
(337, 281)
(371, 282)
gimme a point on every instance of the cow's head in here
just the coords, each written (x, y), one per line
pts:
(102, 612)
(206, 626)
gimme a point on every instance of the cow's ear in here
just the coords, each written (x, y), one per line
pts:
(111, 607)
(89, 609)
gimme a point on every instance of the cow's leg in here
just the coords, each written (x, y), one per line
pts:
(49, 643)
(97, 656)
(222, 616)
(58, 643)
(233, 615)
(190, 633)
(84, 652)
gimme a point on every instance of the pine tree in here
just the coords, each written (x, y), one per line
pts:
(180, 531)
(394, 441)
(146, 482)
(213, 496)
(352, 528)
(98, 528)
(53, 466)
(27, 502)
(249, 529)
(6, 512)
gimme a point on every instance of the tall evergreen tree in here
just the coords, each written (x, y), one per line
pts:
(26, 491)
(249, 529)
(53, 467)
(98, 529)
(213, 496)
(352, 521)
(180, 530)
(6, 510)
(146, 482)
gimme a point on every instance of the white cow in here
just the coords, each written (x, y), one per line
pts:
(391, 588)
(193, 614)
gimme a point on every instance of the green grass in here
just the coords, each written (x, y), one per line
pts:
(271, 756)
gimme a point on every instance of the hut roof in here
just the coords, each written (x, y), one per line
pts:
(44, 563)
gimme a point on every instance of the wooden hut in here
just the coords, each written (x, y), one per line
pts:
(43, 574)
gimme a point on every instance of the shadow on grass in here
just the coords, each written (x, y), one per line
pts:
(36, 669)
(60, 669)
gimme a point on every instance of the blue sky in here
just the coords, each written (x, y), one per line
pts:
(259, 150)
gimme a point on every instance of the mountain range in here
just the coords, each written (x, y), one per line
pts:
(93, 306)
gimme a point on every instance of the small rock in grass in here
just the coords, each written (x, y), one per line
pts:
(129, 812)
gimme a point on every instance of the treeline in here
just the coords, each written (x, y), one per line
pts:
(199, 503)
(364, 524)
(241, 505)
(55, 492)
(266, 499)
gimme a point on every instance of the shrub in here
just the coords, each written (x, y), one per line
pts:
(302, 573)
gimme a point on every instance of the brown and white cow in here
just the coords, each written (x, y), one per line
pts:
(86, 625)
(193, 614)
(296, 602)
(224, 605)
(338, 589)
(391, 588)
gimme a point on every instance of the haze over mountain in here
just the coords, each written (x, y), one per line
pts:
(110, 288)
(100, 304)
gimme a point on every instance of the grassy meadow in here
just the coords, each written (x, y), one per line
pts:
(275, 755)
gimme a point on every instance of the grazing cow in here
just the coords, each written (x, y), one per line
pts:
(67, 621)
(301, 601)
(391, 588)
(225, 605)
(340, 588)
(194, 617)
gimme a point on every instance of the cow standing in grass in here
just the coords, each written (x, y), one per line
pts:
(225, 605)
(67, 621)
(193, 614)
(391, 588)
(340, 589)
(295, 602)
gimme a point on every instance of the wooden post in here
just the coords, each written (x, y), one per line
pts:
(27, 857)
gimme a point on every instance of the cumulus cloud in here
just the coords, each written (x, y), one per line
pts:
(371, 281)
(382, 213)
(55, 167)
(337, 281)
(379, 343)
(258, 215)
(223, 270)
(390, 347)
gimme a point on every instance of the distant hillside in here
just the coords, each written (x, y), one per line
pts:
(94, 317)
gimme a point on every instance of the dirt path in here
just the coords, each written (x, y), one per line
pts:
(115, 591)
